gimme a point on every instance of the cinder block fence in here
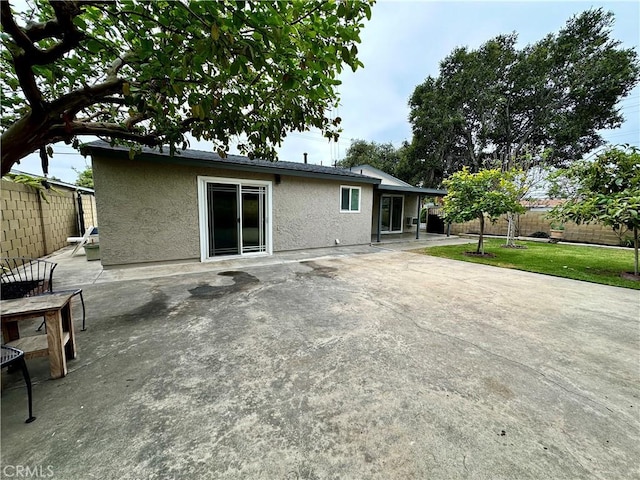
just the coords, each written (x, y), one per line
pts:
(33, 227)
(536, 221)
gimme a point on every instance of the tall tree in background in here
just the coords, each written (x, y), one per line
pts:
(490, 106)
(383, 156)
(85, 177)
(150, 71)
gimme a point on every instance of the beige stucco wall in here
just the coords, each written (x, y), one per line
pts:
(149, 211)
(307, 214)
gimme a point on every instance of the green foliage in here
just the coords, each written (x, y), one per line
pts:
(85, 177)
(489, 106)
(383, 156)
(579, 262)
(488, 193)
(148, 72)
(474, 195)
(40, 185)
(606, 191)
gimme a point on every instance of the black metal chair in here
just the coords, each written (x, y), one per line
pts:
(13, 356)
(27, 277)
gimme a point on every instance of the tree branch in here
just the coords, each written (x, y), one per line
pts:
(62, 132)
(11, 27)
(79, 99)
(39, 31)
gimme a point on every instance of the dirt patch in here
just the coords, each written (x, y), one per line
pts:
(630, 276)
(523, 247)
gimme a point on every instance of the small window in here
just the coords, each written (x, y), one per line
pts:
(350, 199)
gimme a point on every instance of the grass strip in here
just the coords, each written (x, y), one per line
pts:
(578, 262)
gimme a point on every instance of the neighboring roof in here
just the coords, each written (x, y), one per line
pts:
(394, 184)
(384, 176)
(54, 182)
(231, 162)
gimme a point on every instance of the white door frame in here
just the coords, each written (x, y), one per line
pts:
(204, 218)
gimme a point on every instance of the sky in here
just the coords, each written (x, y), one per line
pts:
(402, 45)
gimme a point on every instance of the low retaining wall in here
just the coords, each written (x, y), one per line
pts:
(536, 221)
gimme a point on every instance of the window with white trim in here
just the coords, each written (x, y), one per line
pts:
(349, 199)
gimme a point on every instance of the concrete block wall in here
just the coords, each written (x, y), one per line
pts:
(536, 221)
(89, 209)
(22, 223)
(31, 227)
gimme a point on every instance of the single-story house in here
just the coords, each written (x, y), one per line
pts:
(198, 206)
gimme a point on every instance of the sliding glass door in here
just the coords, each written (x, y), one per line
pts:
(234, 217)
(391, 213)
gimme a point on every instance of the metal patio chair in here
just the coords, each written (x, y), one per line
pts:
(12, 356)
(28, 277)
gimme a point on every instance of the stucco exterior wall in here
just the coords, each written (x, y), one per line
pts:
(307, 214)
(149, 211)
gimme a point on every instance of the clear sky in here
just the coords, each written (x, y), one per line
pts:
(402, 45)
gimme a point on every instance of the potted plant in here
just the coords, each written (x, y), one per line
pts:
(92, 248)
(557, 232)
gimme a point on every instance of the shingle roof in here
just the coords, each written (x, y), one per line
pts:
(231, 162)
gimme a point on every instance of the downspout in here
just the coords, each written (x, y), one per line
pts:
(80, 214)
(418, 224)
(379, 217)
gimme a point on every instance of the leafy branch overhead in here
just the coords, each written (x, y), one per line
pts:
(148, 72)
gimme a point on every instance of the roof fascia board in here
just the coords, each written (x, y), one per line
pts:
(196, 162)
(428, 191)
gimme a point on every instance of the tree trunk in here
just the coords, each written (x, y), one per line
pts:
(22, 138)
(480, 248)
(511, 229)
(635, 249)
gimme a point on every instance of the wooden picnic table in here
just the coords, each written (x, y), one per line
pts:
(59, 343)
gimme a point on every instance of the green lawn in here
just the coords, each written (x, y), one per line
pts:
(591, 264)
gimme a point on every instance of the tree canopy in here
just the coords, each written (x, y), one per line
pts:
(85, 177)
(605, 190)
(383, 156)
(489, 106)
(148, 72)
(489, 192)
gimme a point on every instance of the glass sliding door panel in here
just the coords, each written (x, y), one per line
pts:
(385, 205)
(222, 211)
(396, 214)
(253, 219)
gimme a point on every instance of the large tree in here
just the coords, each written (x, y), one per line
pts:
(605, 190)
(489, 106)
(150, 71)
(383, 156)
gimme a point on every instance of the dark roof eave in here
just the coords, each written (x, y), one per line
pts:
(420, 190)
(273, 169)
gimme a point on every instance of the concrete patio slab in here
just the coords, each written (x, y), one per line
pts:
(370, 364)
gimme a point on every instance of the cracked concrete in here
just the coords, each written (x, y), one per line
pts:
(381, 364)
